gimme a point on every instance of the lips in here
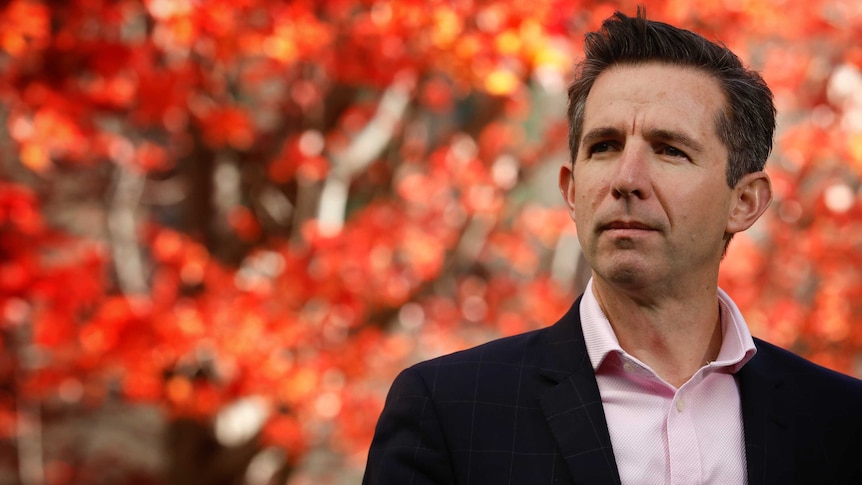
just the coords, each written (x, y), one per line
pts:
(631, 225)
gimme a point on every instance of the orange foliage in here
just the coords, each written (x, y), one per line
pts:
(446, 237)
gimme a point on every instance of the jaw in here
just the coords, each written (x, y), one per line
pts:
(646, 271)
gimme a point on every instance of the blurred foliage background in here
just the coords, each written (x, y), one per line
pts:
(226, 225)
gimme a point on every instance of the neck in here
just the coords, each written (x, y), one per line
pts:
(675, 336)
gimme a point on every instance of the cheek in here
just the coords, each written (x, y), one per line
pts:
(589, 188)
(584, 213)
(583, 205)
(589, 202)
(699, 212)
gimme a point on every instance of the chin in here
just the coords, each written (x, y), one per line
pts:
(628, 279)
(627, 276)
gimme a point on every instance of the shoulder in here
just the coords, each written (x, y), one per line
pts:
(524, 348)
(496, 356)
(522, 361)
(799, 372)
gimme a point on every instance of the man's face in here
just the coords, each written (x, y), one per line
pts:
(648, 193)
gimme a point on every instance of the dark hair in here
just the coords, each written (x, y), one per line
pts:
(746, 126)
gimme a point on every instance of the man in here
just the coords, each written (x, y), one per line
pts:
(652, 377)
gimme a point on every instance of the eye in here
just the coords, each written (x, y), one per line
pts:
(672, 152)
(601, 147)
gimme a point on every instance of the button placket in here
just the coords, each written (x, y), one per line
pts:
(685, 459)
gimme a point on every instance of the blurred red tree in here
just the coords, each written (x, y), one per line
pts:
(241, 208)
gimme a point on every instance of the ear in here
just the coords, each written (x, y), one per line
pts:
(567, 187)
(753, 195)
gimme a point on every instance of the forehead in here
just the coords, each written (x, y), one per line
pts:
(655, 96)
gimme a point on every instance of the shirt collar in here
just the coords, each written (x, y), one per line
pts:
(737, 346)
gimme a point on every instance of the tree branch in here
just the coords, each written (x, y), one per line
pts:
(128, 186)
(363, 150)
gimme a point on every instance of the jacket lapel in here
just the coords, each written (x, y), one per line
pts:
(768, 428)
(573, 406)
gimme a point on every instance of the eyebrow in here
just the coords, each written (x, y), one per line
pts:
(599, 134)
(608, 132)
(676, 137)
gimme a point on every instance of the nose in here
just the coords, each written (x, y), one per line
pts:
(632, 177)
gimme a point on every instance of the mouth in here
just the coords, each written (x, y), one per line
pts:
(626, 226)
(627, 229)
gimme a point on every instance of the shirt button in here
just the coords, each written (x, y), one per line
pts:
(680, 404)
(629, 366)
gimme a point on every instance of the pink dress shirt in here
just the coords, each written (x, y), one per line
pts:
(661, 434)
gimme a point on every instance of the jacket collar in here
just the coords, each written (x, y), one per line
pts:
(573, 406)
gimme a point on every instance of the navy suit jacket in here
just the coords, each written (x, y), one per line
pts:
(526, 410)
